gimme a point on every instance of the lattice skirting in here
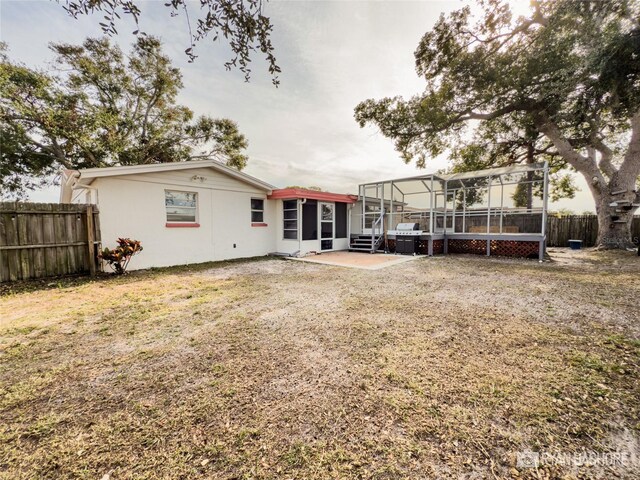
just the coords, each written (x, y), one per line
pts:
(456, 245)
(503, 248)
(515, 248)
(438, 247)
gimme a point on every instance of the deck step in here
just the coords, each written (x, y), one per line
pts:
(361, 243)
(364, 243)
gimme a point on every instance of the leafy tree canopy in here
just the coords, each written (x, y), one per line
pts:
(102, 108)
(239, 22)
(561, 84)
(314, 188)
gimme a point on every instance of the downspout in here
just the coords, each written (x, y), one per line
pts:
(349, 213)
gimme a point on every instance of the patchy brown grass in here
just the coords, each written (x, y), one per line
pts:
(436, 368)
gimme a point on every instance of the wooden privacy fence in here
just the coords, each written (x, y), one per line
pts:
(559, 229)
(47, 239)
(579, 227)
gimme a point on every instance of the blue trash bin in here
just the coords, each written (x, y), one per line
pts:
(575, 244)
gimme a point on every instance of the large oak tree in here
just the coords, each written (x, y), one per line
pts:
(240, 23)
(562, 83)
(102, 108)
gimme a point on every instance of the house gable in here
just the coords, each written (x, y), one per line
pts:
(208, 178)
(204, 173)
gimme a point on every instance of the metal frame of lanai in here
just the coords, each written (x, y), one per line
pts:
(498, 211)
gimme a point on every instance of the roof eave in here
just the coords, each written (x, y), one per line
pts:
(91, 173)
(299, 193)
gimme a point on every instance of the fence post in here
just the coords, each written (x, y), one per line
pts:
(91, 238)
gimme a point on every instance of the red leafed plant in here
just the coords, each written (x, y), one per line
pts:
(119, 257)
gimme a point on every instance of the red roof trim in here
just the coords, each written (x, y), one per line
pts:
(291, 193)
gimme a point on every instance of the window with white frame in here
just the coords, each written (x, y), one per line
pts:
(181, 206)
(257, 210)
(290, 219)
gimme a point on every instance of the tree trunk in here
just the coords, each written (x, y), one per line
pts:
(614, 228)
(616, 199)
(615, 214)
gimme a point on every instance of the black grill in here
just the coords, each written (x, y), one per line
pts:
(407, 238)
(407, 244)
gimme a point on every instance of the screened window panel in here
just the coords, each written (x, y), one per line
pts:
(180, 206)
(341, 220)
(326, 230)
(290, 224)
(310, 220)
(327, 212)
(180, 199)
(290, 220)
(257, 210)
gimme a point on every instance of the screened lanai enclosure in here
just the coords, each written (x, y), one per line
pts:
(500, 211)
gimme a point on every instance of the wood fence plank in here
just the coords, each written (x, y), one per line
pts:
(37, 238)
(49, 237)
(59, 235)
(91, 255)
(11, 238)
(24, 256)
(4, 256)
(44, 239)
(70, 220)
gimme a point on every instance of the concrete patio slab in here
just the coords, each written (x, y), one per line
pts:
(365, 261)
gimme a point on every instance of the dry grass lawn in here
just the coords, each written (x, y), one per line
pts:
(436, 368)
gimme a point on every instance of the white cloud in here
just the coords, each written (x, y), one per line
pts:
(333, 55)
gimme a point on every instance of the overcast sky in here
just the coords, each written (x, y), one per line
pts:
(332, 54)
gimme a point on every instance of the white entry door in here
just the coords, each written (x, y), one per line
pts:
(327, 227)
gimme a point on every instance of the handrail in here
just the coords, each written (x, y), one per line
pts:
(376, 240)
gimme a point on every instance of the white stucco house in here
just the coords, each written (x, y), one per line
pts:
(202, 210)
